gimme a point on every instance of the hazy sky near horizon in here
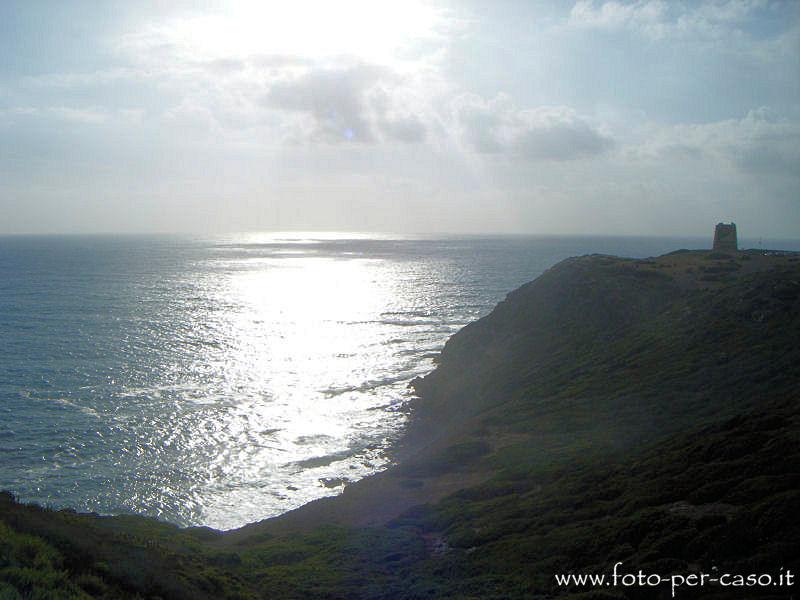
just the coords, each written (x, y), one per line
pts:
(579, 116)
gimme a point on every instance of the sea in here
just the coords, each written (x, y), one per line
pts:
(222, 380)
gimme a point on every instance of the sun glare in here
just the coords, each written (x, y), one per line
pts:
(369, 30)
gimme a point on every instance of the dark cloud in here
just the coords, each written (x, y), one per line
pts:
(565, 140)
(334, 98)
(351, 104)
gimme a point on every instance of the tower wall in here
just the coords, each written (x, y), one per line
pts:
(725, 237)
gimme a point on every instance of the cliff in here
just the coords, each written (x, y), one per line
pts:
(642, 411)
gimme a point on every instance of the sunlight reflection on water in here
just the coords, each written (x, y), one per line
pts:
(300, 348)
(223, 381)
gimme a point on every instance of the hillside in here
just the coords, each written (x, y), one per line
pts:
(643, 411)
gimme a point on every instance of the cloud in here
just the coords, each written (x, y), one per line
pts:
(407, 128)
(761, 145)
(334, 99)
(657, 19)
(85, 79)
(333, 78)
(733, 11)
(81, 116)
(555, 133)
(356, 103)
(648, 15)
(399, 113)
(288, 98)
(766, 145)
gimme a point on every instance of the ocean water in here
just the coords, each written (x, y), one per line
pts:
(219, 381)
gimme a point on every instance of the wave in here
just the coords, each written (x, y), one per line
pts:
(70, 404)
(368, 385)
(322, 461)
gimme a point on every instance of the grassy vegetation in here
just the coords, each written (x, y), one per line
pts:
(612, 410)
(725, 496)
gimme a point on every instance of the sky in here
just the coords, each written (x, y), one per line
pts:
(543, 117)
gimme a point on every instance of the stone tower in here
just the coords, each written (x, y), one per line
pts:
(725, 237)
